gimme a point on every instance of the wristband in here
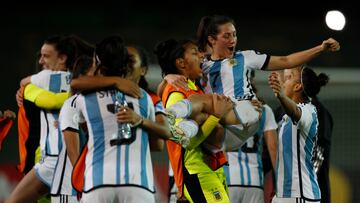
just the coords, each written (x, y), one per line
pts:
(140, 122)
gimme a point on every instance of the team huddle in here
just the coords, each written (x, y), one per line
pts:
(99, 120)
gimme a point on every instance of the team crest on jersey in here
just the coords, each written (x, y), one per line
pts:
(217, 196)
(68, 79)
(233, 62)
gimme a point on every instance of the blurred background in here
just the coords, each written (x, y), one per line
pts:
(268, 28)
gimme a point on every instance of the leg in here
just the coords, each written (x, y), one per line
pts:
(205, 187)
(191, 106)
(29, 189)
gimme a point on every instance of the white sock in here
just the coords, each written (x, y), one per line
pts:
(181, 109)
(189, 127)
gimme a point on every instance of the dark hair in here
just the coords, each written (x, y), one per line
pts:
(53, 40)
(167, 52)
(81, 66)
(144, 59)
(312, 82)
(72, 46)
(209, 27)
(113, 58)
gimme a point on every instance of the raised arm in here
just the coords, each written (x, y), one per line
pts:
(290, 107)
(298, 58)
(85, 83)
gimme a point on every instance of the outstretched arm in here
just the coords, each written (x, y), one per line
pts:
(84, 83)
(290, 107)
(298, 58)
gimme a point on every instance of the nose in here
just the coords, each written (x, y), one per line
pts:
(41, 60)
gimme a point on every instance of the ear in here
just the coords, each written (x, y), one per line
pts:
(211, 40)
(62, 59)
(298, 87)
(180, 63)
(142, 71)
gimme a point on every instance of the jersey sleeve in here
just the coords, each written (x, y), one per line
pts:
(69, 116)
(308, 117)
(270, 123)
(159, 107)
(255, 60)
(43, 98)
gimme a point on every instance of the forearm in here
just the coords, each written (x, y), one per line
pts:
(72, 145)
(25, 81)
(290, 107)
(293, 60)
(158, 129)
(205, 130)
(93, 82)
(270, 137)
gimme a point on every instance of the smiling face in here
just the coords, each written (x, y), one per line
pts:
(190, 64)
(48, 57)
(224, 42)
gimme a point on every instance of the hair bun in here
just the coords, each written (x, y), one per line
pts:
(323, 79)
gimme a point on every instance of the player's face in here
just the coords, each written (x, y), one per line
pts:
(292, 81)
(225, 41)
(49, 57)
(137, 70)
(192, 61)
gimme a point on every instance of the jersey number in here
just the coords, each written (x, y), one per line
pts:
(251, 147)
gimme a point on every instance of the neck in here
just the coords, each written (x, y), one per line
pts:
(218, 56)
(298, 99)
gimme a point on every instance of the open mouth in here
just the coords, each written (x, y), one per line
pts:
(231, 49)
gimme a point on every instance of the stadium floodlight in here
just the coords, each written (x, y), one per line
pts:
(335, 20)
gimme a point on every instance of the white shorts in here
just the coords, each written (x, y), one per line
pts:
(291, 200)
(236, 135)
(246, 194)
(44, 170)
(128, 194)
(64, 199)
(61, 183)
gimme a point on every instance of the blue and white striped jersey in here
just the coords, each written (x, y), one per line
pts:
(109, 166)
(295, 175)
(54, 81)
(231, 76)
(245, 166)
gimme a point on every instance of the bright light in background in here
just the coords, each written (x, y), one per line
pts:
(335, 20)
